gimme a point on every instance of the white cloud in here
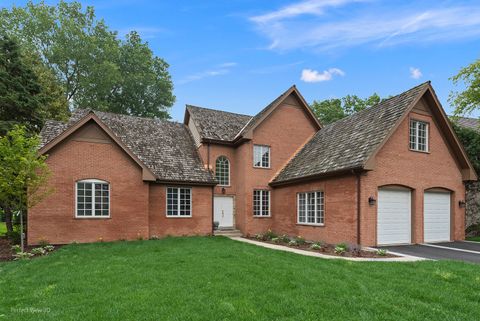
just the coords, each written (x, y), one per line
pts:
(379, 27)
(313, 7)
(415, 73)
(309, 75)
(218, 70)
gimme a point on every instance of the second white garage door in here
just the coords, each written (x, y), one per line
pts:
(394, 217)
(436, 217)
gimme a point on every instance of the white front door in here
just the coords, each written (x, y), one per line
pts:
(394, 217)
(223, 211)
(436, 217)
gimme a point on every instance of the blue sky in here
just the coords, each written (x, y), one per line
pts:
(238, 55)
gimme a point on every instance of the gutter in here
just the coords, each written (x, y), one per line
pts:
(359, 185)
(303, 179)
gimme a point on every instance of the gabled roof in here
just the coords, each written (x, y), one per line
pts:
(216, 124)
(164, 148)
(221, 126)
(472, 123)
(352, 142)
(258, 118)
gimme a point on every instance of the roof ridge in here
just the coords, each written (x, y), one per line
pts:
(217, 110)
(129, 116)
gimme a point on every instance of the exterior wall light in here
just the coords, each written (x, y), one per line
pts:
(223, 190)
(371, 201)
(461, 204)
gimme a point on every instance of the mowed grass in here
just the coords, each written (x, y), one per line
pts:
(201, 278)
(474, 238)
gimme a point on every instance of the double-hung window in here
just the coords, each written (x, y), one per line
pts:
(92, 198)
(261, 156)
(418, 135)
(261, 203)
(179, 201)
(311, 208)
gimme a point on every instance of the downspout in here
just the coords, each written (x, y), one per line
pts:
(213, 210)
(359, 185)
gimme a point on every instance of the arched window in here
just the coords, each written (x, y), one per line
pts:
(222, 171)
(92, 198)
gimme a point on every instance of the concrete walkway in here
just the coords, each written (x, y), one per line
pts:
(400, 258)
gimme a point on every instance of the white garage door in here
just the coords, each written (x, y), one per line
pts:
(394, 217)
(436, 217)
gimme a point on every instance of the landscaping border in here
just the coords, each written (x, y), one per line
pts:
(400, 258)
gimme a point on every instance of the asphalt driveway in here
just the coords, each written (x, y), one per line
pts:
(461, 251)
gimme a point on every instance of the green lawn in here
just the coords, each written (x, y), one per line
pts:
(474, 238)
(219, 279)
(3, 228)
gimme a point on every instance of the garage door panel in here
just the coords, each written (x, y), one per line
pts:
(436, 216)
(394, 217)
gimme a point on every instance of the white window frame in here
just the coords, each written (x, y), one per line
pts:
(319, 213)
(262, 191)
(228, 172)
(178, 188)
(415, 124)
(93, 182)
(261, 149)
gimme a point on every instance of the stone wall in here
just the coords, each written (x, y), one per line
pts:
(473, 203)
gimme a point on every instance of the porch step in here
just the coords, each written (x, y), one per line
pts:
(228, 232)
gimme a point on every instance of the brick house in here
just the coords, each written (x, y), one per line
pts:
(393, 173)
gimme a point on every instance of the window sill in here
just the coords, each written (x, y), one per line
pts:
(312, 224)
(178, 216)
(92, 217)
(419, 151)
(262, 216)
(258, 167)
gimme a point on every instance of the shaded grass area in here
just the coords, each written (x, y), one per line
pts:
(203, 278)
(473, 238)
(3, 228)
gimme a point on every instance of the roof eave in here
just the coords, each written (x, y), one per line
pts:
(308, 178)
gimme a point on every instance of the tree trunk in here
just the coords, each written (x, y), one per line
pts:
(8, 218)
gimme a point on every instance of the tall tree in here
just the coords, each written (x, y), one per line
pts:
(470, 138)
(467, 100)
(331, 110)
(97, 69)
(19, 89)
(29, 92)
(23, 173)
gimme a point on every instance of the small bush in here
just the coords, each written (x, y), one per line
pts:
(259, 237)
(154, 237)
(269, 235)
(381, 252)
(14, 237)
(341, 248)
(16, 248)
(300, 240)
(284, 238)
(38, 251)
(316, 246)
(49, 248)
(276, 240)
(293, 243)
(22, 256)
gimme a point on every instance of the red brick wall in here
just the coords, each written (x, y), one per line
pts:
(340, 210)
(199, 224)
(285, 131)
(396, 164)
(54, 218)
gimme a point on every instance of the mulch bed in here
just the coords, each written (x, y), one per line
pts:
(6, 253)
(328, 249)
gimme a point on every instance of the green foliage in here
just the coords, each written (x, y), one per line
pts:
(331, 110)
(16, 248)
(38, 251)
(23, 173)
(22, 256)
(284, 238)
(269, 235)
(300, 240)
(29, 92)
(470, 139)
(469, 99)
(95, 67)
(316, 246)
(381, 252)
(341, 248)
